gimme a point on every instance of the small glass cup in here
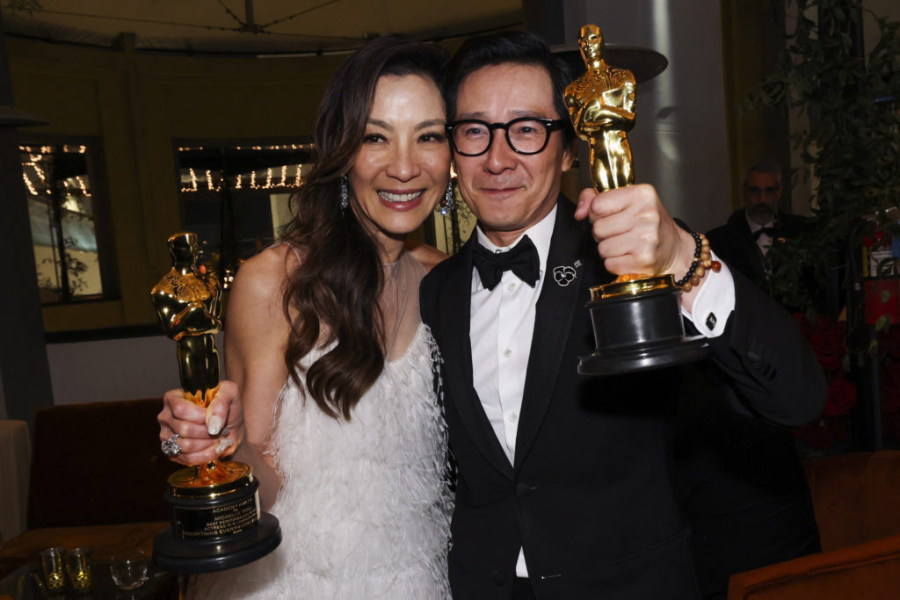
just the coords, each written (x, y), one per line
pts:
(54, 570)
(78, 566)
(129, 569)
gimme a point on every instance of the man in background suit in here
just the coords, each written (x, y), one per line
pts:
(564, 483)
(738, 477)
(744, 241)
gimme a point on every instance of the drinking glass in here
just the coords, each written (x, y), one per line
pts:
(54, 571)
(78, 566)
(129, 569)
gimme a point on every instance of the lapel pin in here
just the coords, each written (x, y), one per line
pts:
(564, 274)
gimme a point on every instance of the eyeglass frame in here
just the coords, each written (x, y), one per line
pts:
(550, 124)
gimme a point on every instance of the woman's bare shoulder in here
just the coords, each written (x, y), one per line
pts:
(267, 271)
(427, 256)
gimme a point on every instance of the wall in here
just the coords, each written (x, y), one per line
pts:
(117, 369)
(679, 142)
(136, 105)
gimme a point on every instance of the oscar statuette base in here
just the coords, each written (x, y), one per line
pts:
(214, 527)
(638, 326)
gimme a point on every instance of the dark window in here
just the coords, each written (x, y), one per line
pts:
(236, 197)
(66, 222)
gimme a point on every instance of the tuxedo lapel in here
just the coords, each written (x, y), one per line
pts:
(755, 257)
(561, 295)
(457, 352)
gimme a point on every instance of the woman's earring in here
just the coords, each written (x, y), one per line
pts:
(345, 194)
(448, 203)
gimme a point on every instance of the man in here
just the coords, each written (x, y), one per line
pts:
(739, 478)
(744, 241)
(563, 482)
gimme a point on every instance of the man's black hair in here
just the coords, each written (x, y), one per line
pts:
(516, 47)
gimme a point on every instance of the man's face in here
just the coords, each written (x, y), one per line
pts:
(510, 192)
(761, 193)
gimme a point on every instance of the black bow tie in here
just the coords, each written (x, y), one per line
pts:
(521, 260)
(769, 231)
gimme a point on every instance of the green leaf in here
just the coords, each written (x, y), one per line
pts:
(872, 349)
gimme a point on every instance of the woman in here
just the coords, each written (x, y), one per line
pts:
(337, 413)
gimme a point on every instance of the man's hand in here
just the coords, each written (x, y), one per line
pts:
(635, 234)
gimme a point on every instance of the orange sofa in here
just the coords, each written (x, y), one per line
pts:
(857, 504)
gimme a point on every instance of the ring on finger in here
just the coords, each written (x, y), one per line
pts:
(170, 446)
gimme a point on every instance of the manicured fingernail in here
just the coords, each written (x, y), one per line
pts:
(214, 425)
(224, 444)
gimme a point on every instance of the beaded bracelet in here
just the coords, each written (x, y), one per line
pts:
(702, 262)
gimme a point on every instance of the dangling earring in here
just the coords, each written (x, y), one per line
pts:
(448, 203)
(345, 195)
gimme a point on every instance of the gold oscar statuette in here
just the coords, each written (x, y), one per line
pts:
(216, 520)
(636, 318)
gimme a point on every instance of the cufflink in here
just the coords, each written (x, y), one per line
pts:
(711, 321)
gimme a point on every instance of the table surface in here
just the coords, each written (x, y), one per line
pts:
(105, 541)
(22, 584)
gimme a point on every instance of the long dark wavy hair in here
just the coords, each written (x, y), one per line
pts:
(340, 278)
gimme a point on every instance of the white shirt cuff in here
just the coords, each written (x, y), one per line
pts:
(714, 302)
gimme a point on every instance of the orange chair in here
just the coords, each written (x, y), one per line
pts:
(857, 504)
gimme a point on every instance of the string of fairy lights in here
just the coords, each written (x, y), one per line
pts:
(36, 157)
(287, 176)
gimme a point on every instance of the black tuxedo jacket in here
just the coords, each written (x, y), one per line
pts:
(589, 496)
(734, 243)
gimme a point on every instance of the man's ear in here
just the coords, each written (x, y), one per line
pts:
(569, 154)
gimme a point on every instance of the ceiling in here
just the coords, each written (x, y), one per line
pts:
(253, 26)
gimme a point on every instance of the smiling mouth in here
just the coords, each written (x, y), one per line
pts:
(402, 198)
(500, 190)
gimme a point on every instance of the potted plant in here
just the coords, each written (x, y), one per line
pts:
(850, 146)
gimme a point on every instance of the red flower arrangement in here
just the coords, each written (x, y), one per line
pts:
(828, 340)
(841, 397)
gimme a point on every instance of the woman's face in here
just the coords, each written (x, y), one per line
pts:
(402, 167)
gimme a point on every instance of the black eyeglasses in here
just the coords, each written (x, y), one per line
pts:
(525, 135)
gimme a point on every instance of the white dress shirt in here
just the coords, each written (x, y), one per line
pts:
(501, 328)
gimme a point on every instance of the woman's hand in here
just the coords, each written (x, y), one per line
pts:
(203, 434)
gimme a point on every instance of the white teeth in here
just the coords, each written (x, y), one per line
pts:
(391, 197)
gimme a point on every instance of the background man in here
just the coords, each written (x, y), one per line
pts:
(738, 477)
(563, 480)
(744, 241)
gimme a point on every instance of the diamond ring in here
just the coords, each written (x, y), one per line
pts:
(170, 446)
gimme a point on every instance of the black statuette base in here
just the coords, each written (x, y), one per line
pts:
(216, 554)
(216, 531)
(640, 332)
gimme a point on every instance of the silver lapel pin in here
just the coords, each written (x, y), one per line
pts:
(564, 274)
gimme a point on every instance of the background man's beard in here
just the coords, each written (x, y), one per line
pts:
(761, 214)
